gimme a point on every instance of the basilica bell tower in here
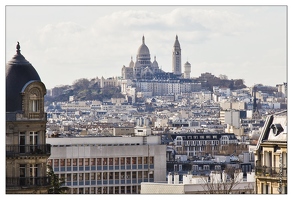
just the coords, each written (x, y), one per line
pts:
(176, 58)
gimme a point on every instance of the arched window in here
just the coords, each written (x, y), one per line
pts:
(34, 100)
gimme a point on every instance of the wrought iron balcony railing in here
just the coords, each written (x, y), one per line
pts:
(27, 150)
(271, 171)
(27, 181)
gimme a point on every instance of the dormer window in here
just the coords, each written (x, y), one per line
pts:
(34, 100)
(34, 106)
(277, 129)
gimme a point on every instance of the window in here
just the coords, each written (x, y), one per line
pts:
(145, 174)
(68, 177)
(139, 174)
(33, 141)
(74, 175)
(62, 162)
(86, 161)
(133, 175)
(139, 160)
(99, 175)
(74, 162)
(22, 174)
(34, 106)
(206, 167)
(87, 176)
(151, 160)
(117, 175)
(56, 163)
(68, 162)
(80, 177)
(80, 163)
(99, 161)
(116, 161)
(110, 161)
(93, 176)
(128, 160)
(22, 142)
(104, 161)
(93, 161)
(122, 161)
(105, 175)
(133, 160)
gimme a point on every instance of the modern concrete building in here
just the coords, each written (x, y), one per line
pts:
(26, 148)
(271, 156)
(108, 165)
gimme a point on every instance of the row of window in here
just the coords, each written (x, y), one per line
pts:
(118, 161)
(213, 142)
(102, 176)
(106, 190)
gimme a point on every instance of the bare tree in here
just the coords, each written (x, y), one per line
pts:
(223, 182)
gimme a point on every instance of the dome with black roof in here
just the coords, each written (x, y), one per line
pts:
(19, 72)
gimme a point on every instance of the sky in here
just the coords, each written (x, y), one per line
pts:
(69, 42)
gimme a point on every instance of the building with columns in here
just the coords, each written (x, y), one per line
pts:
(271, 156)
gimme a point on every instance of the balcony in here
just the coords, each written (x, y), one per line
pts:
(27, 181)
(28, 150)
(270, 172)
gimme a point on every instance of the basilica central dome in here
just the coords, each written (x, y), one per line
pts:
(143, 49)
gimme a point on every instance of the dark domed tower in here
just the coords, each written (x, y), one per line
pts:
(26, 148)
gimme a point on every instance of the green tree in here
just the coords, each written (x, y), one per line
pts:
(56, 183)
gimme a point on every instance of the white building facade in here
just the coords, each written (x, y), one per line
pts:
(108, 165)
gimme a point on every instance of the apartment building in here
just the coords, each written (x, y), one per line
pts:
(200, 144)
(271, 156)
(108, 165)
(26, 148)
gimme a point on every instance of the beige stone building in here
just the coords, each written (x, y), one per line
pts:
(271, 156)
(26, 148)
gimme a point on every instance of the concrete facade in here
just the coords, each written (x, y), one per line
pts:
(108, 165)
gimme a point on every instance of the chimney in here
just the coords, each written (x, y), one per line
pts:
(176, 178)
(170, 178)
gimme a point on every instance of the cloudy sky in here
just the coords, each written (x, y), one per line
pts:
(66, 43)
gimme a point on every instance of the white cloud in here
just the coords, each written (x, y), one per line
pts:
(100, 40)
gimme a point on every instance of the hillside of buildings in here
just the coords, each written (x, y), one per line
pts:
(91, 89)
(82, 90)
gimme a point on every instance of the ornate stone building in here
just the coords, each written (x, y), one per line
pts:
(144, 68)
(271, 156)
(26, 148)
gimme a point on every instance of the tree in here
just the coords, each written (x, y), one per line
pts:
(223, 77)
(56, 183)
(224, 182)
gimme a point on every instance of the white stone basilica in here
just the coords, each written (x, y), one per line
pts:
(144, 68)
